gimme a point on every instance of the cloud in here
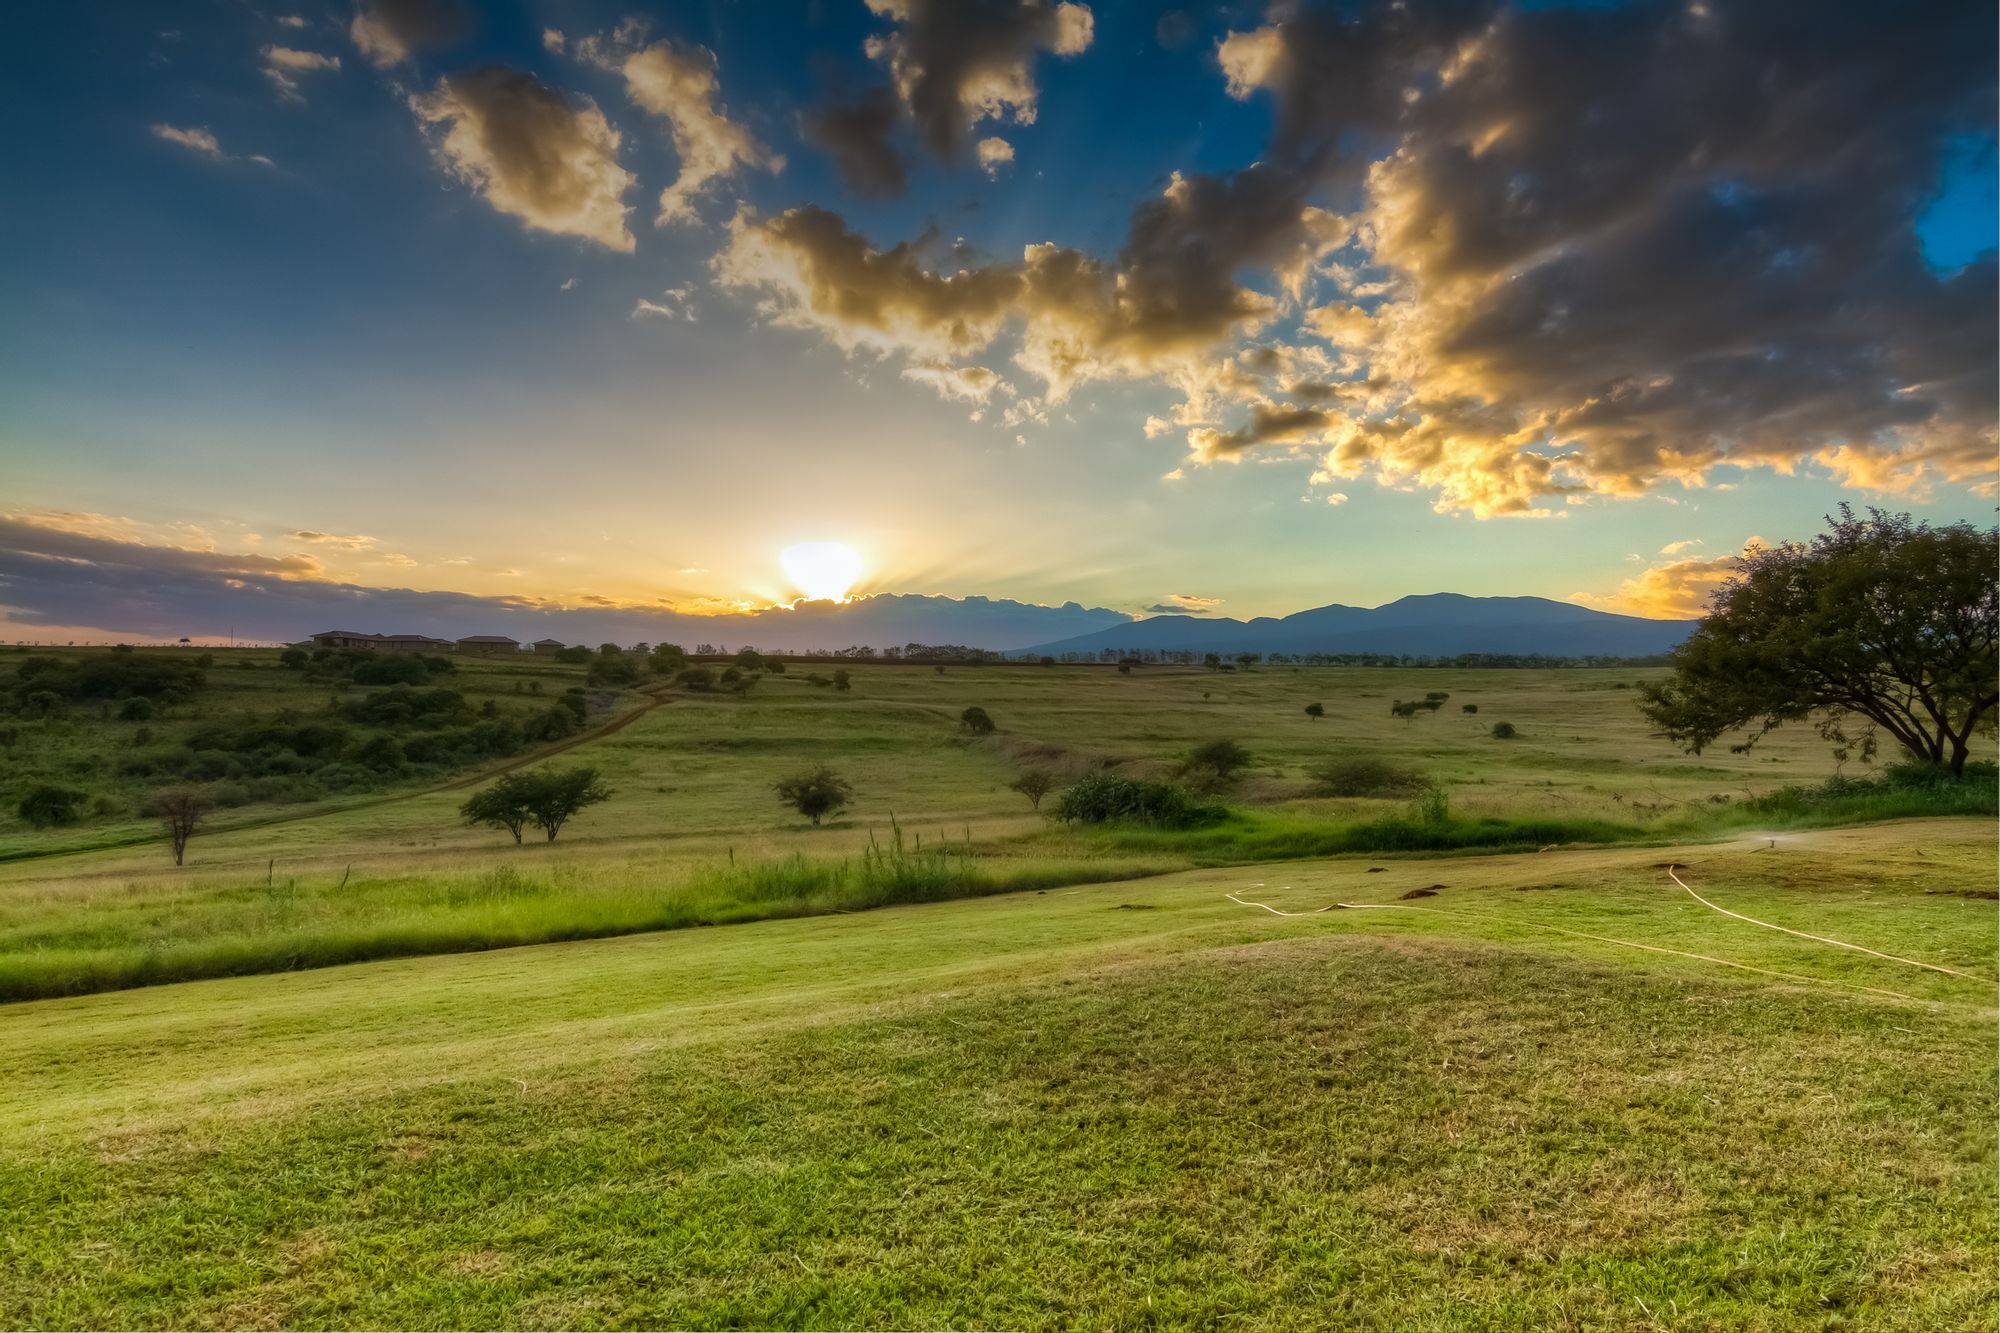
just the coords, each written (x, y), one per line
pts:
(951, 64)
(194, 140)
(1680, 547)
(531, 152)
(858, 133)
(389, 32)
(291, 21)
(674, 303)
(679, 85)
(283, 66)
(344, 542)
(994, 153)
(553, 41)
(966, 384)
(1673, 590)
(1159, 310)
(1184, 604)
(1597, 251)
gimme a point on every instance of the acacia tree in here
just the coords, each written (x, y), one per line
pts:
(1880, 623)
(181, 810)
(558, 793)
(816, 793)
(1034, 784)
(502, 805)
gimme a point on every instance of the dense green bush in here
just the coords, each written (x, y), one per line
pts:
(1504, 731)
(976, 721)
(1100, 798)
(43, 684)
(50, 806)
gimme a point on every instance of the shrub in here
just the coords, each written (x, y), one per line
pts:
(976, 721)
(136, 709)
(50, 806)
(1106, 797)
(842, 681)
(574, 655)
(1468, 708)
(615, 672)
(816, 793)
(1315, 711)
(1403, 710)
(1504, 731)
(1364, 777)
(1439, 695)
(294, 659)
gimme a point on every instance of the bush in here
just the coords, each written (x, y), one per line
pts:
(1105, 797)
(816, 793)
(1364, 777)
(1402, 710)
(50, 806)
(1315, 711)
(696, 680)
(1504, 731)
(294, 659)
(975, 720)
(136, 709)
(615, 672)
(1468, 708)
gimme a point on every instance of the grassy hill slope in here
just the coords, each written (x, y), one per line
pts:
(1142, 1105)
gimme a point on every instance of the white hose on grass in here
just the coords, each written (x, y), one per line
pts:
(1584, 935)
(1824, 939)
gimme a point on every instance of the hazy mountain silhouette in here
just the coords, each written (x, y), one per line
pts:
(1443, 624)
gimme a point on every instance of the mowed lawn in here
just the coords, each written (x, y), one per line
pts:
(1130, 1105)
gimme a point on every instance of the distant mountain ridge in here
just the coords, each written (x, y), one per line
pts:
(1443, 624)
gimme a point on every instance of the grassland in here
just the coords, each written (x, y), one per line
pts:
(693, 834)
(118, 761)
(1132, 1105)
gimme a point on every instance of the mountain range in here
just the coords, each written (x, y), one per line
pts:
(1444, 624)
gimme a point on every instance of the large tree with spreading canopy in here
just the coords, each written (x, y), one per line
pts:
(1879, 624)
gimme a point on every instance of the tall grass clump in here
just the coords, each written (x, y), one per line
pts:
(1909, 790)
(238, 930)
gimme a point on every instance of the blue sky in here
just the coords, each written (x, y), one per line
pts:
(325, 336)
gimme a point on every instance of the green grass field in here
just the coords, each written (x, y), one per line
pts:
(999, 1081)
(1135, 1105)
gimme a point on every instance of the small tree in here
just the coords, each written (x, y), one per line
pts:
(294, 659)
(1034, 784)
(1315, 711)
(558, 793)
(842, 682)
(816, 793)
(976, 721)
(668, 658)
(1504, 731)
(181, 810)
(1406, 711)
(502, 805)
(50, 806)
(1247, 660)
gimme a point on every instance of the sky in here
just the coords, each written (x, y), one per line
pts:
(598, 307)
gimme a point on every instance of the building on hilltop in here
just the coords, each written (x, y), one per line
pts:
(413, 643)
(548, 647)
(488, 644)
(346, 638)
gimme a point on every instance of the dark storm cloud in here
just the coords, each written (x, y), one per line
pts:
(859, 134)
(951, 65)
(392, 31)
(1672, 235)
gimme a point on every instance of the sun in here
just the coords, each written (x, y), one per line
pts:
(823, 571)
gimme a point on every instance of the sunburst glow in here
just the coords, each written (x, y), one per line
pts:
(823, 571)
